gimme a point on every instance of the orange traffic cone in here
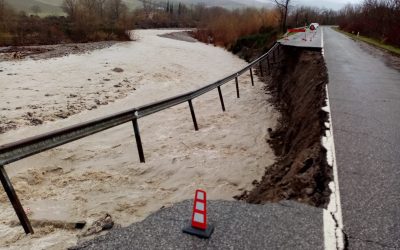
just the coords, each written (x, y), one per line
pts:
(198, 225)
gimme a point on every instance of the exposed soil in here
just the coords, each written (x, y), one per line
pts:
(297, 84)
(50, 51)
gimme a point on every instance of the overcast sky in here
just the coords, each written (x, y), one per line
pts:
(329, 4)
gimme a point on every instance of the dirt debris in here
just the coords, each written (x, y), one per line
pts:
(301, 173)
(104, 223)
(118, 70)
(50, 51)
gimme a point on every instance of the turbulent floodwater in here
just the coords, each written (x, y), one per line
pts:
(101, 174)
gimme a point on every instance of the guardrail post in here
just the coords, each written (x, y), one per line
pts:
(251, 75)
(19, 210)
(138, 140)
(221, 98)
(269, 66)
(237, 87)
(261, 71)
(193, 115)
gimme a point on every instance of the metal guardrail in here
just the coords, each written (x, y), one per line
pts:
(27, 147)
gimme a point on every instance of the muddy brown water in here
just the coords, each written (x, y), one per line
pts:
(297, 84)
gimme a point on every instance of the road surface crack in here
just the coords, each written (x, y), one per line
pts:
(339, 230)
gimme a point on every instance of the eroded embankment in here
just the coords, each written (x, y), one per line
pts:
(297, 84)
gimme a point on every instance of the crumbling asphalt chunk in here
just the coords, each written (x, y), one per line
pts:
(104, 223)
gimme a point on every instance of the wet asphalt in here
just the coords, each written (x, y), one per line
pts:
(238, 225)
(365, 104)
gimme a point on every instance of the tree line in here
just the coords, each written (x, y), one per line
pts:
(379, 19)
(94, 20)
(85, 21)
(216, 25)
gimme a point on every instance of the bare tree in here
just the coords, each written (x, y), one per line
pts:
(148, 6)
(2, 9)
(6, 16)
(70, 7)
(101, 7)
(116, 8)
(283, 7)
(89, 5)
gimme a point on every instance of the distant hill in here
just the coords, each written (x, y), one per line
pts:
(130, 3)
(229, 4)
(53, 7)
(46, 7)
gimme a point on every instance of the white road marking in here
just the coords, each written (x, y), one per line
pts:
(332, 216)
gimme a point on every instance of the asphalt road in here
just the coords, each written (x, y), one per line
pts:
(365, 105)
(238, 225)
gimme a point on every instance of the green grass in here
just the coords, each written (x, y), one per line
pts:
(371, 41)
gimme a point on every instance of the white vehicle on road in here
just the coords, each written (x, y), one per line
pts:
(314, 26)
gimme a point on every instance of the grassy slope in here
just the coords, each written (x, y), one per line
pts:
(372, 41)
